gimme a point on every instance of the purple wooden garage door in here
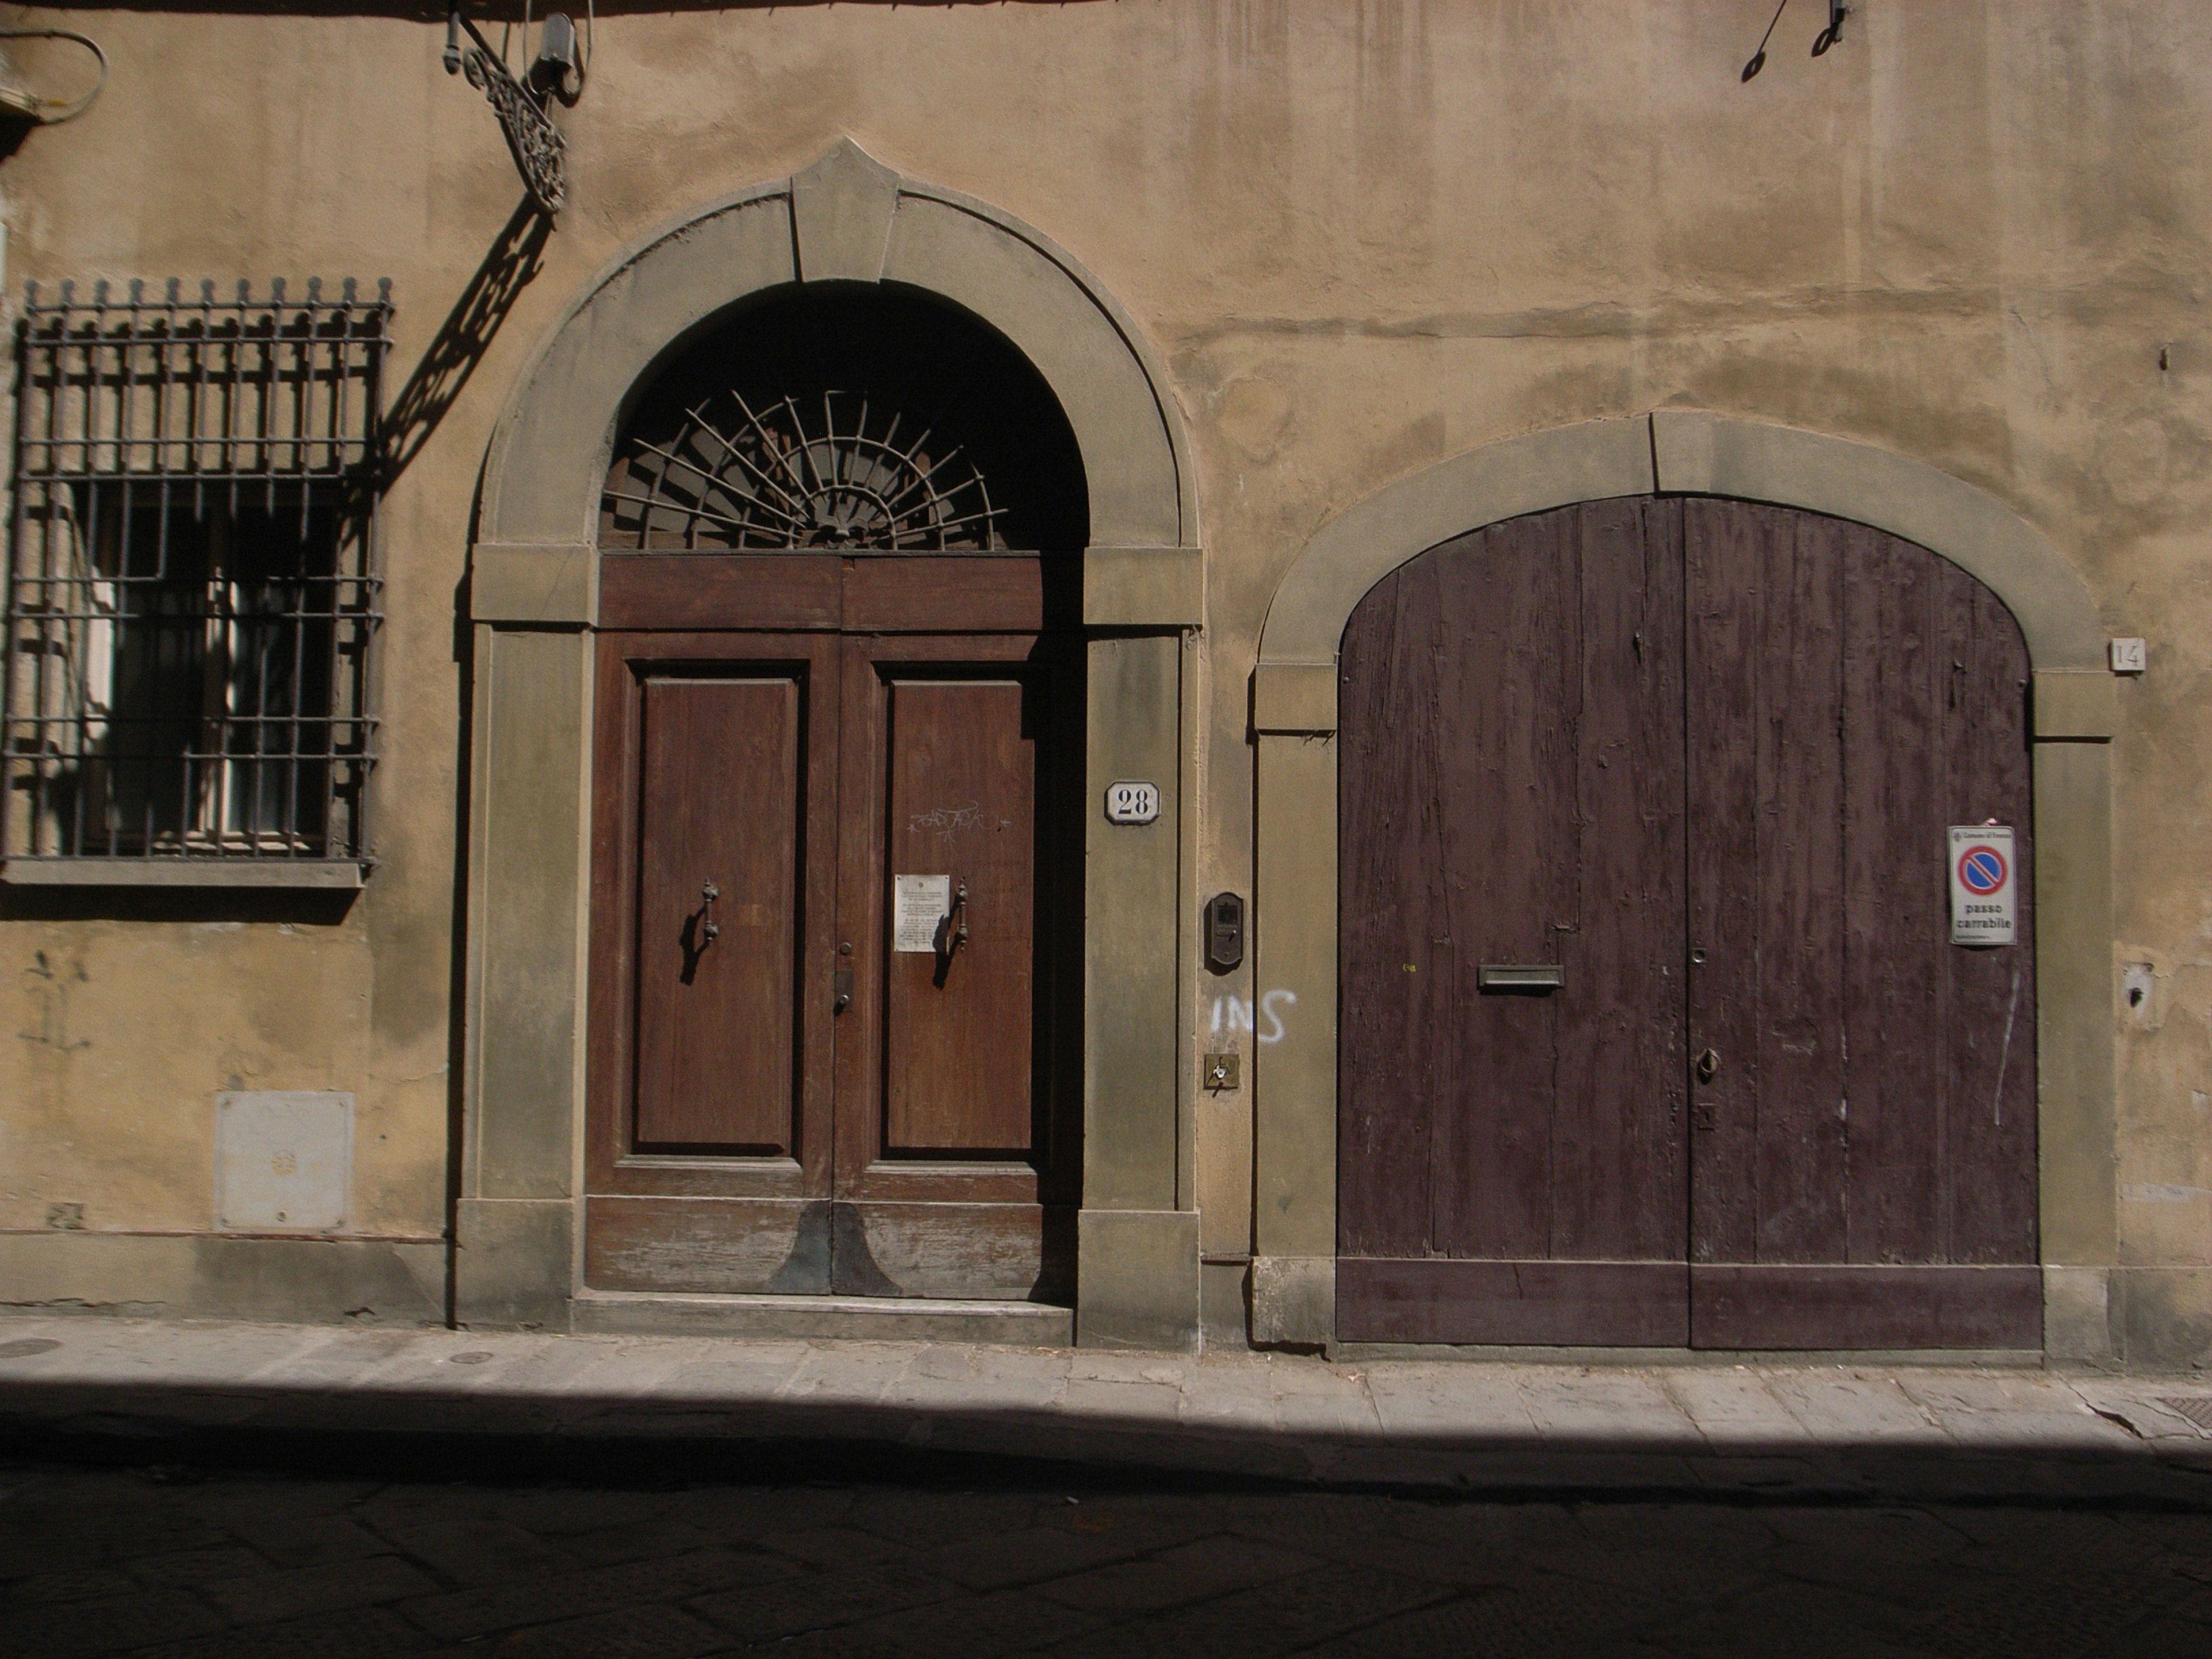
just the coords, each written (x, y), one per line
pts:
(1695, 760)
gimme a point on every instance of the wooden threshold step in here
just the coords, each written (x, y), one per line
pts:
(857, 1318)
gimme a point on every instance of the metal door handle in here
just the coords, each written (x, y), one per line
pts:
(1709, 1064)
(709, 929)
(952, 932)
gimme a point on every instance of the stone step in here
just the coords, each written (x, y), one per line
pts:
(860, 1318)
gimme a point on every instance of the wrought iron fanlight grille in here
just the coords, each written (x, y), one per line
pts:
(191, 592)
(831, 471)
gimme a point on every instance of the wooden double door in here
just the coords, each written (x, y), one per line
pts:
(833, 929)
(1652, 1032)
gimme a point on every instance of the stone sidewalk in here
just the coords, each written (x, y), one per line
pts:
(1778, 1431)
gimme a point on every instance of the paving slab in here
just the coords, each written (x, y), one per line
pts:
(1580, 1407)
(1733, 1409)
(1416, 1402)
(1231, 1397)
(1998, 1409)
(1855, 1408)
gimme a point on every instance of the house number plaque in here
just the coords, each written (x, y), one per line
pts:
(1132, 802)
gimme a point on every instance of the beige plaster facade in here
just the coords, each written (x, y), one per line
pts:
(1314, 282)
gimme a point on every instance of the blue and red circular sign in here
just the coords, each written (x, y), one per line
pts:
(1983, 871)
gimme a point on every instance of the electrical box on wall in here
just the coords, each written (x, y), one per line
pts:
(283, 1161)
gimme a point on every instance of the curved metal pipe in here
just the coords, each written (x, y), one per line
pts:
(51, 111)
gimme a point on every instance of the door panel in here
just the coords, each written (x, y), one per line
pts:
(957, 1018)
(1701, 754)
(745, 1136)
(721, 810)
(1943, 1104)
(724, 1246)
(1851, 695)
(1511, 788)
(948, 1151)
(673, 768)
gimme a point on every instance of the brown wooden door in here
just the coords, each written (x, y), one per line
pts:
(1511, 1164)
(784, 1099)
(1699, 757)
(1864, 1154)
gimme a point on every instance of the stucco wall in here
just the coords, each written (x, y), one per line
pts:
(1365, 238)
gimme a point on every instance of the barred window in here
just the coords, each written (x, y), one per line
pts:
(192, 589)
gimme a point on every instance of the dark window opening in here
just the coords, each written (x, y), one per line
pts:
(877, 420)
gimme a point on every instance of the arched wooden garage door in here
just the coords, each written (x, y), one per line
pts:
(1699, 757)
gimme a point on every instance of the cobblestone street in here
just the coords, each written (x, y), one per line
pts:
(181, 1561)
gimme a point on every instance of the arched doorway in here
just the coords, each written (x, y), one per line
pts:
(1654, 1030)
(535, 596)
(836, 954)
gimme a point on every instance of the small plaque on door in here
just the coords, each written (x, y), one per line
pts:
(918, 904)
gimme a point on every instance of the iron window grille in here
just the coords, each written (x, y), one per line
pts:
(192, 590)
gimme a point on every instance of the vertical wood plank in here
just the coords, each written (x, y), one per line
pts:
(1802, 1168)
(1620, 1187)
(1898, 669)
(1991, 1177)
(1724, 607)
(719, 802)
(1388, 1035)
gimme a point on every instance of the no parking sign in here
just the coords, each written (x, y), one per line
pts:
(1984, 910)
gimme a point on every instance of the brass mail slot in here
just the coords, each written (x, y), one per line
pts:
(1520, 976)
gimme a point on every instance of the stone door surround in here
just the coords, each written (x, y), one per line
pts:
(1679, 452)
(533, 598)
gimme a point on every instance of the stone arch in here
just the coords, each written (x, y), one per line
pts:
(533, 592)
(846, 219)
(1684, 451)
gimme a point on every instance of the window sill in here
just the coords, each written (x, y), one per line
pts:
(322, 873)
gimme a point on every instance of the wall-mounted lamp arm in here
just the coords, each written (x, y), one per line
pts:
(532, 140)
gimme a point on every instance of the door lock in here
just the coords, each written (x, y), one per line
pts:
(1709, 1065)
(840, 987)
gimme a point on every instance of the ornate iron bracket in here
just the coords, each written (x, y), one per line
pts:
(531, 139)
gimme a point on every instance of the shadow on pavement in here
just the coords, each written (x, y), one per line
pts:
(629, 1440)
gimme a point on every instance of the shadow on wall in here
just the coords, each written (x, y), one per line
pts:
(516, 257)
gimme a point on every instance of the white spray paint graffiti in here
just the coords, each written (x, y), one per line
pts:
(1235, 1014)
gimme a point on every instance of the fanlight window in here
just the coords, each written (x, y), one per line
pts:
(831, 472)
